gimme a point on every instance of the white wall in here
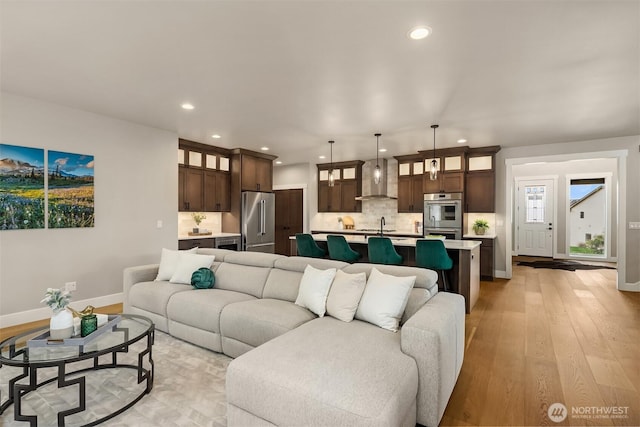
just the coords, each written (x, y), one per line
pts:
(629, 202)
(136, 184)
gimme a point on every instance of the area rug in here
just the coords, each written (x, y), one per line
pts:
(188, 390)
(563, 265)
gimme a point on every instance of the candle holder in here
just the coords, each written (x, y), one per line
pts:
(88, 324)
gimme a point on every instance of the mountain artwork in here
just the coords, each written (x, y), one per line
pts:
(21, 187)
(70, 190)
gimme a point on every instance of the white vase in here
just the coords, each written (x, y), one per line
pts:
(61, 325)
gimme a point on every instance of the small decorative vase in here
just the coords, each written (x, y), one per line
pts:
(88, 324)
(61, 325)
(479, 231)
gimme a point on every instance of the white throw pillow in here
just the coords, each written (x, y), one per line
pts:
(344, 295)
(314, 288)
(384, 300)
(169, 262)
(187, 264)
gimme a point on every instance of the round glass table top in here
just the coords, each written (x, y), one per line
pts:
(32, 347)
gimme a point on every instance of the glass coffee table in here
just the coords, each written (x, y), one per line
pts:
(125, 333)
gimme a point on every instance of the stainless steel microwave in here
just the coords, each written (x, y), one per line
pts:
(443, 210)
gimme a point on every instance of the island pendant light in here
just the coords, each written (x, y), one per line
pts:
(377, 173)
(331, 178)
(433, 170)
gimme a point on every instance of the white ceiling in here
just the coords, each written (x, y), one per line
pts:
(293, 74)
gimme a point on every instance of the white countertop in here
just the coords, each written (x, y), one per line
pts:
(208, 236)
(371, 233)
(475, 236)
(465, 245)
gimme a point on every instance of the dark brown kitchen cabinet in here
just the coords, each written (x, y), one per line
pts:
(203, 177)
(347, 186)
(190, 189)
(289, 213)
(410, 185)
(216, 192)
(480, 180)
(487, 257)
(257, 173)
(447, 182)
(451, 170)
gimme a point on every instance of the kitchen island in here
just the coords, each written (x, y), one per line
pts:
(464, 278)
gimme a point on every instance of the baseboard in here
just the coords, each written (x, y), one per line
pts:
(45, 312)
(501, 274)
(631, 287)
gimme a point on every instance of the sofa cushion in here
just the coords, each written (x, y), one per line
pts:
(344, 296)
(188, 264)
(284, 279)
(326, 372)
(202, 307)
(314, 288)
(154, 296)
(384, 300)
(246, 279)
(258, 321)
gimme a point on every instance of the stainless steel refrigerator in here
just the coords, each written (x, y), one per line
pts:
(258, 222)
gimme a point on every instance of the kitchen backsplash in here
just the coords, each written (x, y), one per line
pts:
(212, 222)
(470, 218)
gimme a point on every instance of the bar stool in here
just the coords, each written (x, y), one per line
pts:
(340, 250)
(308, 247)
(431, 254)
(381, 251)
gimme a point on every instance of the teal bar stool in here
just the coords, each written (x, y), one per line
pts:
(340, 250)
(431, 254)
(308, 247)
(381, 251)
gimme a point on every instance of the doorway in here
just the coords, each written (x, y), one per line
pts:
(589, 219)
(289, 214)
(535, 217)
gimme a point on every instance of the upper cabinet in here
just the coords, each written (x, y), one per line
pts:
(203, 177)
(347, 186)
(410, 183)
(451, 164)
(256, 172)
(481, 180)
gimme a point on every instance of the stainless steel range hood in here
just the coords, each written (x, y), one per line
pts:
(371, 190)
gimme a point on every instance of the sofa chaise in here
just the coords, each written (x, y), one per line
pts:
(292, 367)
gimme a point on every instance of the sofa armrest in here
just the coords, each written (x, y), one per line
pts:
(434, 337)
(133, 275)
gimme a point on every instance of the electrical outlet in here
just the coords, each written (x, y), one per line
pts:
(634, 226)
(70, 286)
(159, 223)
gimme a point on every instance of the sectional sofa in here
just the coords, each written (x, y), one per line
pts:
(292, 367)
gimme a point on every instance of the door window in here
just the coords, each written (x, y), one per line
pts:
(535, 204)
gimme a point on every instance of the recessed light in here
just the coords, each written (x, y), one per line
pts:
(420, 33)
(278, 162)
(188, 106)
(264, 148)
(462, 141)
(383, 150)
(215, 136)
(322, 157)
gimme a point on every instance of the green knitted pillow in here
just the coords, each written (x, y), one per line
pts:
(203, 278)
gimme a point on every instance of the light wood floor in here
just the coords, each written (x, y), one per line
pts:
(543, 337)
(548, 336)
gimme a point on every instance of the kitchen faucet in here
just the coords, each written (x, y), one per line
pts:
(382, 224)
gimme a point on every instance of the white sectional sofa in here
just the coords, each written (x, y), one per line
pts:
(294, 368)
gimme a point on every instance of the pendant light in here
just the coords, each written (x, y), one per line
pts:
(433, 170)
(377, 173)
(331, 178)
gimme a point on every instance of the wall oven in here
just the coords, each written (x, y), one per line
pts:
(443, 214)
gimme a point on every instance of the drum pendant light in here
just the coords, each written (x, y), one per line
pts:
(331, 178)
(433, 169)
(377, 173)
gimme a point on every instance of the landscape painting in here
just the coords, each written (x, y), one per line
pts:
(21, 187)
(70, 190)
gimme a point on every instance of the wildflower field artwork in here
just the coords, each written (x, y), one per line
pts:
(21, 187)
(70, 190)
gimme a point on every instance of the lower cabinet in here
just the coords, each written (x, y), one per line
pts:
(487, 257)
(196, 243)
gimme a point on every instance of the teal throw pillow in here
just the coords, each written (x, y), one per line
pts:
(203, 278)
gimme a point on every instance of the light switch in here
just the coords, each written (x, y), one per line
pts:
(634, 226)
(159, 223)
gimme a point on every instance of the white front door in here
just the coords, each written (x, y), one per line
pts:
(535, 217)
